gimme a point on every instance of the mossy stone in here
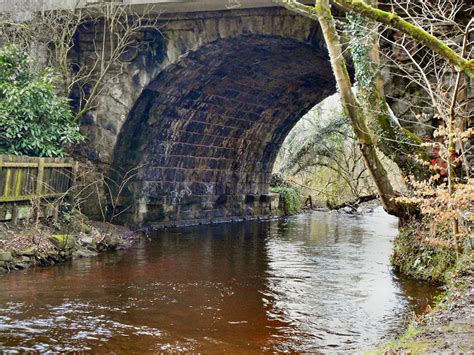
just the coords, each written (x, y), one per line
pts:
(31, 251)
(62, 241)
(6, 256)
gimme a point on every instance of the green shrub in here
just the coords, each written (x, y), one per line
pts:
(290, 197)
(33, 119)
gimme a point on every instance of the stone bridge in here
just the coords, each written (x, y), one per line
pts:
(199, 116)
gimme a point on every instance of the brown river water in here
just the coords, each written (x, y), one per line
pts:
(314, 282)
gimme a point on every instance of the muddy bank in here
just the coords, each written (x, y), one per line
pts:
(47, 243)
(447, 328)
(421, 252)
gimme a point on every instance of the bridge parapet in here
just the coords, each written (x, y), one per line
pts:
(162, 6)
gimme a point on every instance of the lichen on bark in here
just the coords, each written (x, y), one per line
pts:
(392, 20)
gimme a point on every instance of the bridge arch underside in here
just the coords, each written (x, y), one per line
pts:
(205, 133)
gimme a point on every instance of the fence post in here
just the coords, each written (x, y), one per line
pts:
(72, 183)
(75, 169)
(39, 177)
(15, 213)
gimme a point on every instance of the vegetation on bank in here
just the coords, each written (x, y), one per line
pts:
(424, 250)
(48, 242)
(290, 201)
(436, 210)
(34, 120)
(445, 328)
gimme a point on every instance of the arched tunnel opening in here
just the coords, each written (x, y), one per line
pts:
(203, 136)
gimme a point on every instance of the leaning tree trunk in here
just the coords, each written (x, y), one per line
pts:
(355, 112)
(392, 20)
(397, 143)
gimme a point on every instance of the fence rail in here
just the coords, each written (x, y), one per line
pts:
(24, 179)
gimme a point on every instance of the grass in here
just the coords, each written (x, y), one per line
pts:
(408, 342)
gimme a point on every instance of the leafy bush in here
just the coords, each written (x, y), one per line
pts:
(33, 119)
(290, 197)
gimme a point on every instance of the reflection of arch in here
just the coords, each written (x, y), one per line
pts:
(209, 127)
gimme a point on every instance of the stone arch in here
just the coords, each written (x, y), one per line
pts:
(207, 129)
(178, 35)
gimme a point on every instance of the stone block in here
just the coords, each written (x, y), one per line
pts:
(155, 212)
(6, 256)
(221, 200)
(215, 213)
(62, 241)
(198, 188)
(187, 215)
(250, 198)
(31, 251)
(23, 212)
(6, 212)
(84, 253)
(169, 174)
(267, 198)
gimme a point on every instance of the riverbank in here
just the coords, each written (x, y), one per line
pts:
(47, 243)
(448, 327)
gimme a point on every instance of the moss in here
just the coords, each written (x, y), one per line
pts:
(412, 136)
(62, 241)
(410, 346)
(30, 251)
(290, 196)
(390, 137)
(405, 341)
(76, 221)
(408, 342)
(414, 257)
(393, 20)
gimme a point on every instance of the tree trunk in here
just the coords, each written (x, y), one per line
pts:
(354, 110)
(392, 20)
(397, 143)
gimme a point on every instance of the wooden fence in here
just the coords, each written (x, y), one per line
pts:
(25, 179)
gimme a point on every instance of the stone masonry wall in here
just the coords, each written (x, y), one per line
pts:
(200, 115)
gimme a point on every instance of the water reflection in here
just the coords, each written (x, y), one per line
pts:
(315, 282)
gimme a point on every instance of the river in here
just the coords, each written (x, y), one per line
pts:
(313, 282)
